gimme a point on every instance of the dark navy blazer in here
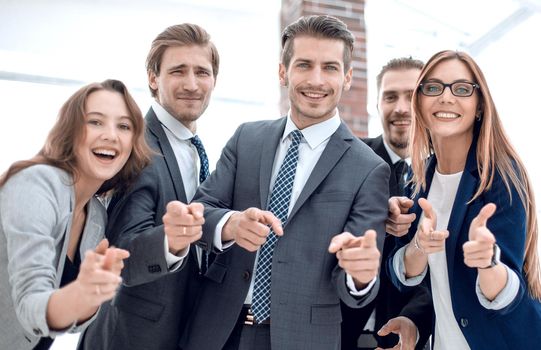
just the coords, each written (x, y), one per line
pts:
(517, 326)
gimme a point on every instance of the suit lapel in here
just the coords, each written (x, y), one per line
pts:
(156, 130)
(466, 189)
(268, 152)
(381, 151)
(337, 146)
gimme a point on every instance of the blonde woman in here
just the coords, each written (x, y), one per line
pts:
(474, 232)
(55, 267)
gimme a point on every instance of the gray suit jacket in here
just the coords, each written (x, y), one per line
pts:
(346, 191)
(152, 306)
(36, 208)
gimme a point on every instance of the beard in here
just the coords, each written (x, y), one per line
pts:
(400, 144)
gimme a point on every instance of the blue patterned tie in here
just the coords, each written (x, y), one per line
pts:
(278, 205)
(204, 171)
(203, 174)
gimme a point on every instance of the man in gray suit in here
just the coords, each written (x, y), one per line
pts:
(280, 283)
(163, 274)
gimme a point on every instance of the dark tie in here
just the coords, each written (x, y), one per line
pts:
(400, 170)
(203, 174)
(279, 206)
(204, 171)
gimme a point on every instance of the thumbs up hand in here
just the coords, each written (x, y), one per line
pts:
(358, 256)
(427, 239)
(479, 249)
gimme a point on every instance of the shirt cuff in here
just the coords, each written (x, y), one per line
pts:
(354, 291)
(400, 269)
(174, 261)
(218, 244)
(506, 295)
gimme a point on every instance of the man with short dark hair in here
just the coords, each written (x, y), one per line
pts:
(407, 315)
(162, 277)
(299, 198)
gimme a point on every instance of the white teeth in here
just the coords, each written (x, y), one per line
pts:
(313, 94)
(446, 115)
(401, 122)
(105, 152)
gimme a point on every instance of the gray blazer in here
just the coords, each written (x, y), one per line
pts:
(36, 208)
(346, 191)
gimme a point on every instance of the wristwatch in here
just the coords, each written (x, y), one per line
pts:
(495, 257)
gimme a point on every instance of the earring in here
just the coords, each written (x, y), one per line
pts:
(478, 117)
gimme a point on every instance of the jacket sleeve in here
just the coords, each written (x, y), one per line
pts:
(34, 209)
(132, 226)
(369, 211)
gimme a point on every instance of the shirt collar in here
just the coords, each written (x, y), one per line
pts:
(177, 128)
(314, 134)
(394, 157)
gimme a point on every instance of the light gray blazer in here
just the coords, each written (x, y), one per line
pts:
(36, 207)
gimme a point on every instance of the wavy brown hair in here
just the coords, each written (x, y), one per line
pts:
(69, 131)
(494, 153)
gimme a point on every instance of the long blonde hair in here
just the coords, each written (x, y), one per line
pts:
(494, 153)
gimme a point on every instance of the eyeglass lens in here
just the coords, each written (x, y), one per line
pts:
(462, 89)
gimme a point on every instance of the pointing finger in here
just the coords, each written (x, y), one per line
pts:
(102, 246)
(394, 205)
(405, 202)
(196, 209)
(176, 208)
(339, 241)
(110, 257)
(369, 239)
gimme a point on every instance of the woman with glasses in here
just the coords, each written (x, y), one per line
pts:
(474, 232)
(55, 267)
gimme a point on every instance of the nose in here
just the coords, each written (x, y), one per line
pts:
(190, 82)
(109, 132)
(447, 96)
(402, 105)
(316, 77)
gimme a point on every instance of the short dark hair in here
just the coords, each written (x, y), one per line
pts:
(401, 63)
(327, 27)
(185, 34)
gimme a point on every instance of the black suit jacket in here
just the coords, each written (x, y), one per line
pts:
(389, 303)
(151, 309)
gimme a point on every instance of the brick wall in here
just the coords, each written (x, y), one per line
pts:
(353, 104)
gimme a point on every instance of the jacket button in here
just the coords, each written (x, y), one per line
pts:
(246, 275)
(464, 322)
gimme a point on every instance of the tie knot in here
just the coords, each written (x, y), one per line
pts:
(296, 137)
(196, 141)
(400, 166)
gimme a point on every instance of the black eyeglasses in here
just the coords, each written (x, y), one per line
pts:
(458, 88)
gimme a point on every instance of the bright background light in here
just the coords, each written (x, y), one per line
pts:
(50, 48)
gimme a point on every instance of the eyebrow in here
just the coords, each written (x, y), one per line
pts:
(184, 65)
(454, 81)
(100, 114)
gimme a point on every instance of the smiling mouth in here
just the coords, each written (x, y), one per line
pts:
(401, 122)
(105, 154)
(189, 98)
(314, 95)
(446, 115)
